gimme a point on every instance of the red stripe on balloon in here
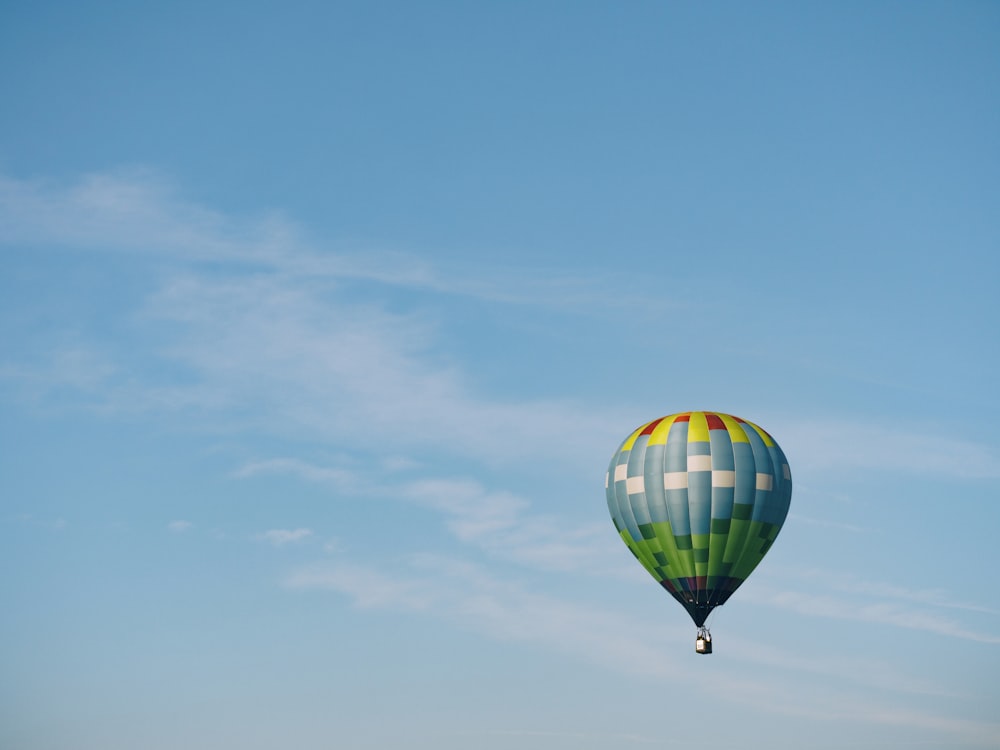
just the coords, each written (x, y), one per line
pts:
(648, 430)
(715, 422)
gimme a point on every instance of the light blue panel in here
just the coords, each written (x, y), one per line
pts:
(721, 449)
(746, 474)
(722, 460)
(612, 496)
(627, 519)
(609, 492)
(722, 502)
(781, 496)
(636, 468)
(744, 495)
(618, 500)
(700, 501)
(656, 498)
(677, 510)
(675, 459)
(699, 448)
(700, 490)
(762, 459)
(675, 456)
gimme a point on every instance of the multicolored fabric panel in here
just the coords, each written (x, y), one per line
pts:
(699, 498)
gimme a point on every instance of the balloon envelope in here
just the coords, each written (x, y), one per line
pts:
(699, 498)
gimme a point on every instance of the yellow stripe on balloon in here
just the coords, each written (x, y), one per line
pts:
(698, 429)
(768, 440)
(627, 445)
(662, 430)
(736, 433)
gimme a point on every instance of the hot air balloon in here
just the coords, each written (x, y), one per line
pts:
(699, 498)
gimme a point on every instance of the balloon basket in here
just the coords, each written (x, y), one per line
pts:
(703, 642)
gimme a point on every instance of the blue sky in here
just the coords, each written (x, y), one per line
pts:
(320, 323)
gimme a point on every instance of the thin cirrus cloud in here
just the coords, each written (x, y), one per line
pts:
(866, 671)
(311, 472)
(834, 595)
(137, 211)
(313, 365)
(853, 585)
(280, 334)
(834, 444)
(283, 537)
(132, 211)
(467, 596)
(310, 360)
(502, 524)
(284, 347)
(498, 522)
(863, 609)
(600, 738)
(828, 524)
(473, 513)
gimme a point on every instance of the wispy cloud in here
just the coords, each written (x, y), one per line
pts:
(319, 366)
(285, 331)
(851, 584)
(57, 524)
(827, 523)
(334, 368)
(865, 671)
(325, 474)
(132, 211)
(179, 526)
(282, 537)
(367, 587)
(473, 512)
(73, 367)
(883, 613)
(602, 738)
(465, 595)
(308, 357)
(503, 524)
(843, 597)
(137, 211)
(822, 444)
(499, 522)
